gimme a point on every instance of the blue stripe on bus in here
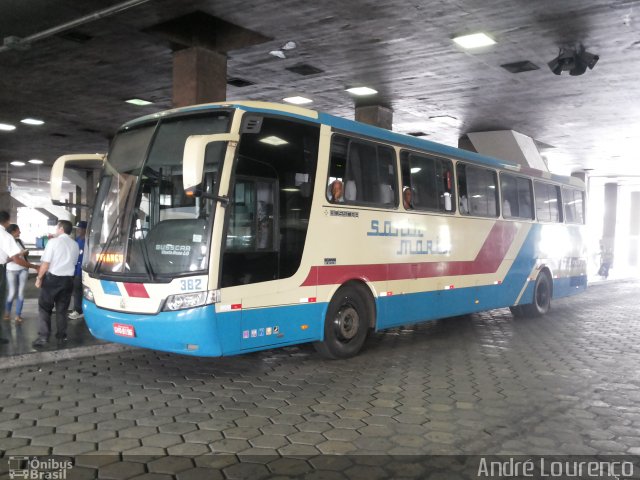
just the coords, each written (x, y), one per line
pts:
(362, 129)
(213, 334)
(110, 288)
(166, 331)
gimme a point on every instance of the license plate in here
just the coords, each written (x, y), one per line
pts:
(124, 330)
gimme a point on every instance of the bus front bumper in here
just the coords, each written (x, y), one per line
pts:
(188, 332)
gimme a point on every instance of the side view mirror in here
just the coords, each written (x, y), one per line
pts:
(57, 171)
(194, 154)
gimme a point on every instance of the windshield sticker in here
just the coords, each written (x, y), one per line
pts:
(168, 249)
(197, 238)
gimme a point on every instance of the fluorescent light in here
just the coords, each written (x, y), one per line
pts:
(474, 40)
(35, 161)
(31, 121)
(6, 127)
(290, 189)
(17, 163)
(138, 101)
(273, 140)
(361, 91)
(297, 100)
(415, 169)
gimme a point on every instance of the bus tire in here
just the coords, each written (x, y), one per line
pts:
(346, 324)
(542, 293)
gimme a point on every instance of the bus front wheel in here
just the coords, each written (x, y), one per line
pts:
(346, 324)
(542, 293)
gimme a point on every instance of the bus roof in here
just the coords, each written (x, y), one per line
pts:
(363, 129)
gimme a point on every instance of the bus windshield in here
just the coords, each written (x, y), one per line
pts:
(144, 226)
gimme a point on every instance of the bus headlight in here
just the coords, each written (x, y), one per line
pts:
(87, 294)
(190, 300)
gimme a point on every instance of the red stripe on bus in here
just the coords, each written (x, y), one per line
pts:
(136, 290)
(488, 260)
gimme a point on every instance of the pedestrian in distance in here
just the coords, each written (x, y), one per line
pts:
(9, 252)
(17, 276)
(55, 281)
(81, 229)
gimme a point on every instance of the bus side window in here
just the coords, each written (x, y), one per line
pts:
(516, 196)
(478, 189)
(547, 202)
(365, 171)
(573, 205)
(429, 180)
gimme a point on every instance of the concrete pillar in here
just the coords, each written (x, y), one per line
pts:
(580, 175)
(6, 202)
(610, 217)
(375, 115)
(199, 76)
(634, 230)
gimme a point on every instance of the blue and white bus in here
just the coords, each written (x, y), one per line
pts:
(217, 231)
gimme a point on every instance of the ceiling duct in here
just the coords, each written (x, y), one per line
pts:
(17, 43)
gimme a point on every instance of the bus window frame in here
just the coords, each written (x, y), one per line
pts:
(583, 201)
(532, 197)
(396, 180)
(497, 194)
(560, 200)
(453, 192)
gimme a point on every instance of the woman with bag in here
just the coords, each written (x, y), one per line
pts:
(17, 276)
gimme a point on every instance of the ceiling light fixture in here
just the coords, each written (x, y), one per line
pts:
(32, 121)
(361, 91)
(35, 161)
(297, 100)
(474, 40)
(575, 60)
(138, 101)
(17, 163)
(277, 53)
(273, 140)
(7, 127)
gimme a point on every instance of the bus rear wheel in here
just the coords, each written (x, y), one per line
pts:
(542, 293)
(346, 324)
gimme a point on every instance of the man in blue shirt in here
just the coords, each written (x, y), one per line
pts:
(81, 229)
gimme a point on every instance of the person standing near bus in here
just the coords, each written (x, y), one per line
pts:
(55, 280)
(9, 252)
(17, 276)
(81, 230)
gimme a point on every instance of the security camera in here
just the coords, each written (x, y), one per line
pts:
(574, 60)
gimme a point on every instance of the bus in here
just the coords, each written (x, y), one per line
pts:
(228, 228)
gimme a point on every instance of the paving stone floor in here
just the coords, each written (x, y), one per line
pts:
(568, 383)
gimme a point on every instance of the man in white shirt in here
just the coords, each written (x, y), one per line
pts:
(9, 252)
(55, 280)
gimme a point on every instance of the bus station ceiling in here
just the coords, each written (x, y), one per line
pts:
(77, 81)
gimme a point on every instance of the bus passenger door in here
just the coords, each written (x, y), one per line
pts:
(262, 272)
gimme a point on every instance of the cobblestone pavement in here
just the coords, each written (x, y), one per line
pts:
(568, 383)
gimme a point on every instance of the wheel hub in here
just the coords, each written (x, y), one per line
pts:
(347, 323)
